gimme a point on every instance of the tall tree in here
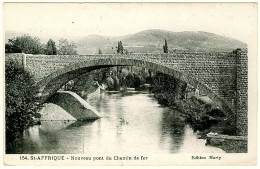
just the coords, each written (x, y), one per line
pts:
(99, 52)
(165, 47)
(51, 48)
(120, 48)
(24, 44)
(67, 48)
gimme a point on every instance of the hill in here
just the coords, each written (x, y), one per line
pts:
(149, 41)
(152, 41)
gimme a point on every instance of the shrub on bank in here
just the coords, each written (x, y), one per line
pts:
(20, 99)
(202, 116)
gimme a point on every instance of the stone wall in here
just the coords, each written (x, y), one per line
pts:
(241, 92)
(230, 144)
(19, 57)
(213, 69)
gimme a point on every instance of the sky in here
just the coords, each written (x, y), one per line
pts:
(235, 20)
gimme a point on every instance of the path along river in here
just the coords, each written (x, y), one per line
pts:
(134, 123)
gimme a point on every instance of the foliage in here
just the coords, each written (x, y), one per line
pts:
(110, 83)
(126, 52)
(99, 52)
(165, 47)
(21, 97)
(88, 82)
(66, 48)
(9, 48)
(199, 114)
(120, 48)
(137, 81)
(24, 44)
(216, 113)
(51, 48)
(116, 83)
(129, 80)
(169, 88)
(114, 78)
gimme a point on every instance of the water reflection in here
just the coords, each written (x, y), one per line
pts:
(173, 130)
(54, 126)
(133, 123)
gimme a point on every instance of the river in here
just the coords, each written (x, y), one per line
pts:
(133, 122)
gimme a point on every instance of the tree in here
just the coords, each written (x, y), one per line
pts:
(8, 48)
(24, 44)
(120, 48)
(126, 52)
(129, 80)
(20, 101)
(165, 47)
(51, 48)
(66, 48)
(137, 81)
(99, 52)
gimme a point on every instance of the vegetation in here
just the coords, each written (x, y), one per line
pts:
(201, 115)
(120, 48)
(126, 52)
(114, 79)
(20, 100)
(165, 47)
(32, 45)
(24, 44)
(66, 47)
(99, 52)
(87, 83)
(168, 89)
(51, 48)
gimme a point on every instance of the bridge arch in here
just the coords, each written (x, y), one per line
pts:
(54, 81)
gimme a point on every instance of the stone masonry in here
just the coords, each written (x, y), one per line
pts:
(222, 76)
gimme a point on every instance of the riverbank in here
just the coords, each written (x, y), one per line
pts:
(230, 144)
(204, 117)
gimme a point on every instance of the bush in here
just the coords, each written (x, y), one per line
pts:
(116, 83)
(110, 83)
(216, 113)
(20, 97)
(129, 80)
(137, 81)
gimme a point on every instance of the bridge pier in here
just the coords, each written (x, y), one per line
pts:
(241, 93)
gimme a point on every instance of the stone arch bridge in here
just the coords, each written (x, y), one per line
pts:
(222, 76)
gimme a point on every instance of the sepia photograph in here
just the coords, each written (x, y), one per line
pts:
(130, 83)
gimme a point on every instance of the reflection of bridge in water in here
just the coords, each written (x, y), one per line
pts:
(222, 76)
